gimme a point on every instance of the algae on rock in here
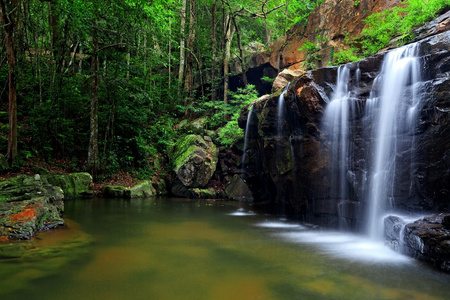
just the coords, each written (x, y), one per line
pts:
(195, 160)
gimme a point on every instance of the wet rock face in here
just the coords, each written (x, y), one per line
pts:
(429, 239)
(294, 154)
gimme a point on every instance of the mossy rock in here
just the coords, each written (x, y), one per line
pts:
(73, 185)
(195, 160)
(209, 193)
(160, 186)
(142, 189)
(238, 190)
(114, 191)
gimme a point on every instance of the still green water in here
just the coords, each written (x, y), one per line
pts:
(176, 249)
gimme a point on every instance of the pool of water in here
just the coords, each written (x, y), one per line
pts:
(177, 249)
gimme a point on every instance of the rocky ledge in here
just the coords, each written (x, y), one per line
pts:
(33, 203)
(427, 239)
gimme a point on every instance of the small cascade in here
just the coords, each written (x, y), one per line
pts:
(394, 100)
(280, 115)
(244, 150)
(336, 124)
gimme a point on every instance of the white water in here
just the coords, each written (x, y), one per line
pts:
(247, 126)
(281, 109)
(336, 124)
(395, 107)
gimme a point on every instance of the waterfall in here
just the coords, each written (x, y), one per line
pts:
(280, 115)
(393, 101)
(336, 124)
(247, 126)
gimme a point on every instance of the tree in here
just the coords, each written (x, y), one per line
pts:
(9, 19)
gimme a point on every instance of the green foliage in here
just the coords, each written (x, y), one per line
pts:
(311, 54)
(230, 132)
(397, 21)
(345, 56)
(267, 79)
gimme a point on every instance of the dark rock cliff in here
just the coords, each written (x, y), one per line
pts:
(294, 156)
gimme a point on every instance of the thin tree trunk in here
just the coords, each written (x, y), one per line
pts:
(241, 52)
(93, 157)
(8, 24)
(188, 82)
(182, 46)
(213, 43)
(229, 33)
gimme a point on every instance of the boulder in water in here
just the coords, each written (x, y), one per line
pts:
(428, 239)
(28, 205)
(238, 189)
(142, 189)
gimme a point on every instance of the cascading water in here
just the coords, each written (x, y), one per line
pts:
(336, 123)
(247, 126)
(280, 115)
(389, 122)
(394, 104)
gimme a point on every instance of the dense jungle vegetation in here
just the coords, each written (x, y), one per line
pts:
(103, 85)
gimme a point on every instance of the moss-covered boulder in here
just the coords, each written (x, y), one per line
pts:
(195, 160)
(28, 205)
(208, 193)
(238, 190)
(73, 185)
(160, 186)
(142, 189)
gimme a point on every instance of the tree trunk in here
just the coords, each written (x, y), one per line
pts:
(241, 52)
(8, 24)
(182, 46)
(213, 43)
(93, 157)
(229, 33)
(188, 81)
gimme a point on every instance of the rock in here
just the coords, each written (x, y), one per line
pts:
(142, 189)
(208, 193)
(179, 190)
(284, 78)
(160, 186)
(238, 190)
(73, 185)
(195, 160)
(392, 230)
(28, 205)
(428, 239)
(114, 191)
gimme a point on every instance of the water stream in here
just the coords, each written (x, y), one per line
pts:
(395, 104)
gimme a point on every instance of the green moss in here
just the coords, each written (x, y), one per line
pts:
(186, 148)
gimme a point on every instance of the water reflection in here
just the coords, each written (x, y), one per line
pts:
(178, 249)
